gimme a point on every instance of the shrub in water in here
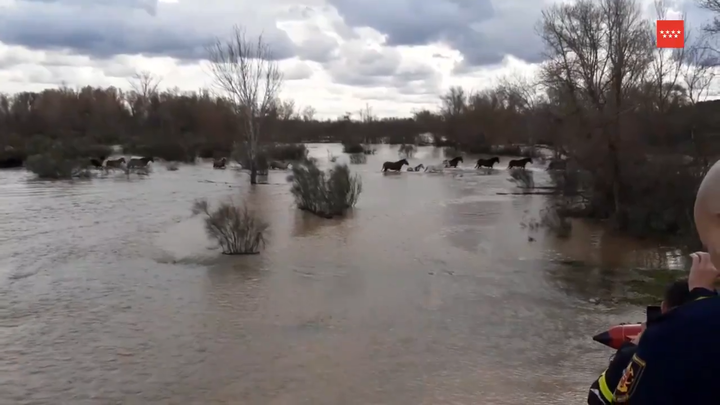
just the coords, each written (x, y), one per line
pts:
(358, 158)
(407, 150)
(523, 178)
(352, 147)
(325, 194)
(291, 152)
(237, 230)
(56, 166)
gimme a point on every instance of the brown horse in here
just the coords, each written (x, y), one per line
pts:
(487, 162)
(139, 162)
(454, 161)
(519, 163)
(219, 163)
(395, 166)
(114, 163)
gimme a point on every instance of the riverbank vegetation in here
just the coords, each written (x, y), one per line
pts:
(627, 119)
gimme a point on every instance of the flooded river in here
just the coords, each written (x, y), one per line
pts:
(430, 292)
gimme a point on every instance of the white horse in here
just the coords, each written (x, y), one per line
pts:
(435, 168)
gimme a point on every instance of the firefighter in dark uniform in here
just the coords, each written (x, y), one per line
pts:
(601, 391)
(677, 361)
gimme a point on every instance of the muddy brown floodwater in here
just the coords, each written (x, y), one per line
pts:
(430, 292)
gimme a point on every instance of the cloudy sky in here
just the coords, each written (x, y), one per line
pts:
(337, 55)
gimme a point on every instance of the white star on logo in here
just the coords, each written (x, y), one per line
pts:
(672, 32)
(676, 36)
(664, 36)
(661, 32)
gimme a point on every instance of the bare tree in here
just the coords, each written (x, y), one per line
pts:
(246, 73)
(598, 52)
(308, 113)
(454, 102)
(665, 68)
(286, 109)
(698, 71)
(366, 114)
(524, 95)
(714, 7)
(145, 83)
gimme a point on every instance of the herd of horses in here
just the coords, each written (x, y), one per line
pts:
(120, 163)
(274, 164)
(488, 163)
(221, 163)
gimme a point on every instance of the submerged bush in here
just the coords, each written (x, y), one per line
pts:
(352, 148)
(326, 194)
(291, 152)
(267, 153)
(56, 166)
(358, 158)
(407, 150)
(522, 178)
(234, 227)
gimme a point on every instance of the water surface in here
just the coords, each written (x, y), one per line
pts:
(430, 292)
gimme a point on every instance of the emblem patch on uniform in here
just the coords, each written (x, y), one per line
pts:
(629, 380)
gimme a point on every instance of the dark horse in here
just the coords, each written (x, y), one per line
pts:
(519, 163)
(395, 166)
(219, 163)
(454, 161)
(487, 162)
(97, 163)
(139, 162)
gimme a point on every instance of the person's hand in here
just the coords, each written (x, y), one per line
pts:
(636, 339)
(702, 273)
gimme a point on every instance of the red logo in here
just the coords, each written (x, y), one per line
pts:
(670, 33)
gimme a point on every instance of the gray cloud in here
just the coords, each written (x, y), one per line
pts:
(150, 6)
(298, 71)
(482, 30)
(102, 28)
(320, 47)
(357, 65)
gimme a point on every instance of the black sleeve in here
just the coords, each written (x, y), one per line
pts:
(699, 292)
(619, 363)
(612, 375)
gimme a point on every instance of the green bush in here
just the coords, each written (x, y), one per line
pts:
(291, 152)
(352, 148)
(326, 194)
(407, 150)
(234, 227)
(56, 166)
(358, 158)
(267, 153)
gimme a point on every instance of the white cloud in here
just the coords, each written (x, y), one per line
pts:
(327, 63)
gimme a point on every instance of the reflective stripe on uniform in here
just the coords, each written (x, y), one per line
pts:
(702, 298)
(604, 389)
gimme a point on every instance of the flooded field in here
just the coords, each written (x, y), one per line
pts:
(430, 292)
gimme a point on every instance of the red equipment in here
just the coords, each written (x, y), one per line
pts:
(618, 334)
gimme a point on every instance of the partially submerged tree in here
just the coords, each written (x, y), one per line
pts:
(245, 72)
(233, 226)
(326, 194)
